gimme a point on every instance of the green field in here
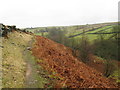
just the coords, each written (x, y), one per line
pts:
(74, 30)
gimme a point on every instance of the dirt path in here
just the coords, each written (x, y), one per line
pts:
(29, 69)
(29, 80)
(32, 77)
(28, 75)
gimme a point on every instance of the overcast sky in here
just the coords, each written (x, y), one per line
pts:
(39, 13)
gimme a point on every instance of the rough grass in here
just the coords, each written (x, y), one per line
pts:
(13, 64)
(16, 59)
(0, 63)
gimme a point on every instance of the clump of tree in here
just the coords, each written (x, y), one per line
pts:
(24, 31)
(73, 43)
(85, 48)
(57, 35)
(106, 49)
(116, 29)
(117, 38)
(81, 47)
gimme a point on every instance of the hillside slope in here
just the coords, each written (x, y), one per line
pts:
(30, 61)
(69, 72)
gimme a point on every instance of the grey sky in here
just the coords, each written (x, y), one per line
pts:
(37, 13)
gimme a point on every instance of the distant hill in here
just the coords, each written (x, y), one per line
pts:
(75, 27)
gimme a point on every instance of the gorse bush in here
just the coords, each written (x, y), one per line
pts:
(57, 35)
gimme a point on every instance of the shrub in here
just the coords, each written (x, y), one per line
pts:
(109, 68)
